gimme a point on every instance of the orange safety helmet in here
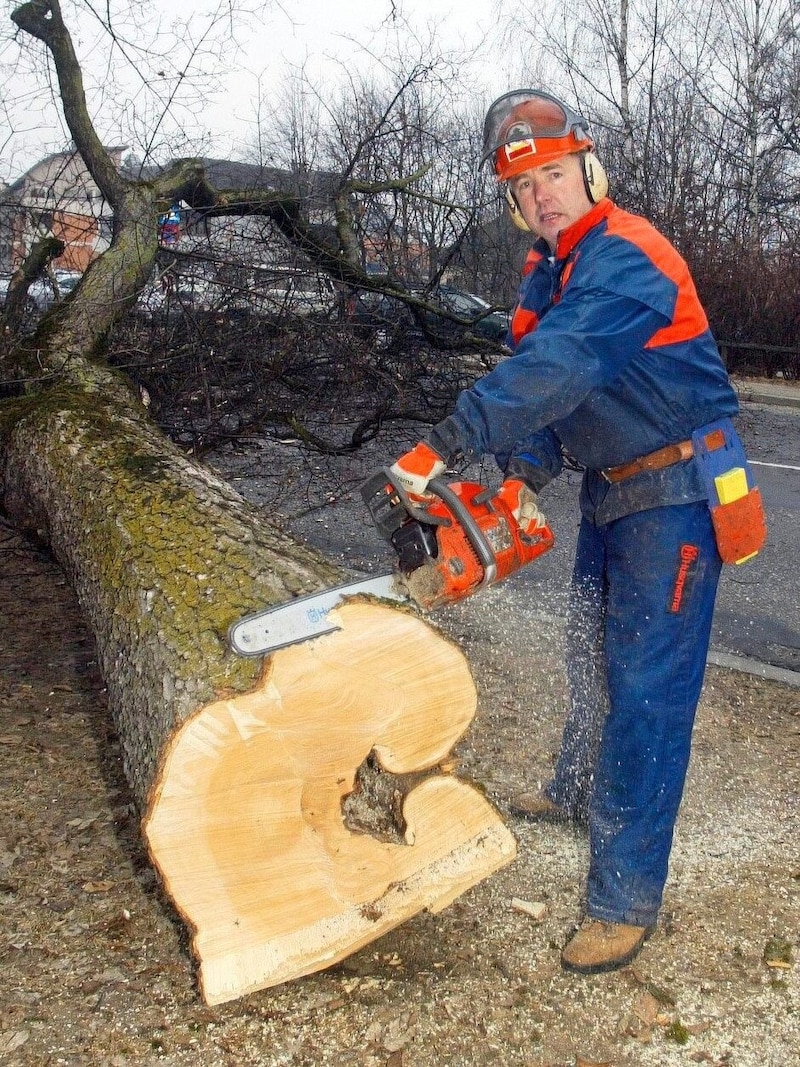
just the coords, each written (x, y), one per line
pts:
(528, 128)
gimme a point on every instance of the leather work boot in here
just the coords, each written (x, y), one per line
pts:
(536, 807)
(599, 946)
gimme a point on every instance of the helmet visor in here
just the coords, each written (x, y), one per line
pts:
(527, 116)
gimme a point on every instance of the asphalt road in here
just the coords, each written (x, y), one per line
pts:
(758, 605)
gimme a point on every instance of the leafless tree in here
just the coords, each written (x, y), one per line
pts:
(163, 556)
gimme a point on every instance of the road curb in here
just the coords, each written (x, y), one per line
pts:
(778, 396)
(755, 668)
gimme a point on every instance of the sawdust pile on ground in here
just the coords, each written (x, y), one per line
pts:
(96, 968)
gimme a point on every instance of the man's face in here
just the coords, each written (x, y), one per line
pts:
(552, 197)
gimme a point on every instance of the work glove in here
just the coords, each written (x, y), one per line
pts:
(415, 469)
(520, 500)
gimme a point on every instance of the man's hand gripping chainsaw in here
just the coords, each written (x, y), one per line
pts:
(459, 537)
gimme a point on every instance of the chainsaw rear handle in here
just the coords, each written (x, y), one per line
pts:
(390, 507)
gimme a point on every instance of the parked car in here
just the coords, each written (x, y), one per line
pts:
(48, 290)
(387, 313)
(45, 291)
(280, 291)
(165, 298)
(489, 323)
(264, 293)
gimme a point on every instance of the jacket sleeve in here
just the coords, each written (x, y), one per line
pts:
(583, 343)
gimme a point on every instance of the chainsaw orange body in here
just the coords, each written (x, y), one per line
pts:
(465, 538)
(460, 540)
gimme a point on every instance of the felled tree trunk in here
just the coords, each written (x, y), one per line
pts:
(242, 774)
(242, 777)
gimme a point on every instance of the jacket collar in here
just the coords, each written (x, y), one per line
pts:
(569, 238)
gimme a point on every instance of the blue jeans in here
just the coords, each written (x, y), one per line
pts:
(641, 603)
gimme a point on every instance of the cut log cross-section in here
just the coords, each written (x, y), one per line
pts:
(246, 820)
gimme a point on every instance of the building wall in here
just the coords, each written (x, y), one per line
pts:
(58, 196)
(81, 235)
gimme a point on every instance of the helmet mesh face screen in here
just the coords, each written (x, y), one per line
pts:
(529, 128)
(528, 114)
(534, 118)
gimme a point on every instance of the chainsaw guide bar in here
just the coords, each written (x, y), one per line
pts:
(303, 618)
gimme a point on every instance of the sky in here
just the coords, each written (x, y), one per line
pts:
(326, 38)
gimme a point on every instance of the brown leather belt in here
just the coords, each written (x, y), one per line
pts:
(653, 461)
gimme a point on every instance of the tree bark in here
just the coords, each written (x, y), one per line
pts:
(40, 255)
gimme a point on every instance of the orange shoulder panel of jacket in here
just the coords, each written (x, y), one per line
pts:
(689, 320)
(523, 321)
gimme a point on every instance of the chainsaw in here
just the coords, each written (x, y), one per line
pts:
(464, 538)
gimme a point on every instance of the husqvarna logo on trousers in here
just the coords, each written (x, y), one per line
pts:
(688, 557)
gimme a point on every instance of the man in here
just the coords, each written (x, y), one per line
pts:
(614, 364)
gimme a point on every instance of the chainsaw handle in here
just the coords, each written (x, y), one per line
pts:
(389, 510)
(388, 515)
(463, 517)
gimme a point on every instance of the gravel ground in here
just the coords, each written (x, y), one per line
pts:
(96, 966)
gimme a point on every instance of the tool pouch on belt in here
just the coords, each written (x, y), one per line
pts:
(737, 511)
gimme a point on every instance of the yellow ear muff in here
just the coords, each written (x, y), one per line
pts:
(515, 213)
(594, 177)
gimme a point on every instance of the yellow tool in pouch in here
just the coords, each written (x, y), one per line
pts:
(737, 511)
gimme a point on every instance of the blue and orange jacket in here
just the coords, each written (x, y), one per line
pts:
(613, 358)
